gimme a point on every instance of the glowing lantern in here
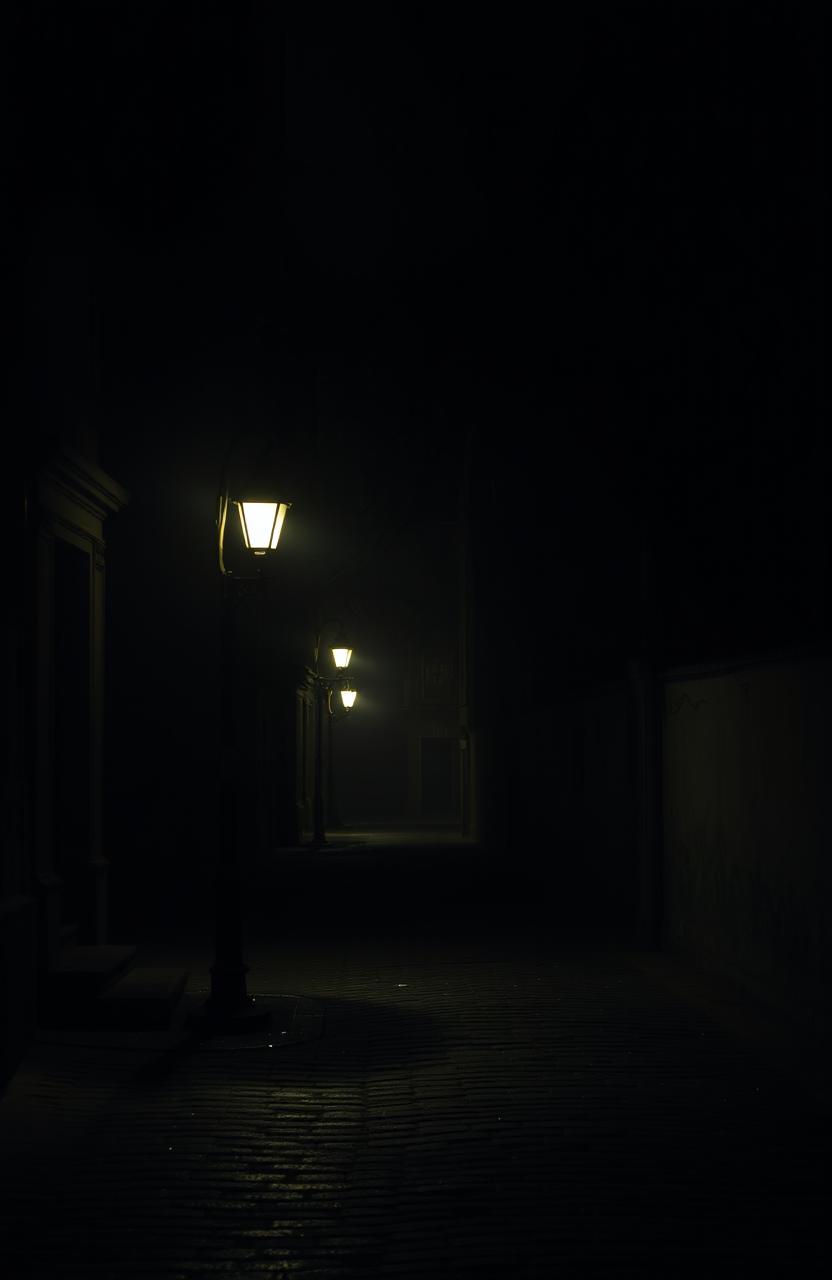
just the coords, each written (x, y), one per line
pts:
(262, 523)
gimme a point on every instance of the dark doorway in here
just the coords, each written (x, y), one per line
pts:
(440, 784)
(71, 761)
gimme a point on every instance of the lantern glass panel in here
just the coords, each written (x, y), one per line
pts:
(261, 524)
(282, 508)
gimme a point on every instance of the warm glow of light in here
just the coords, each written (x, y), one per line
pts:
(341, 658)
(348, 697)
(261, 523)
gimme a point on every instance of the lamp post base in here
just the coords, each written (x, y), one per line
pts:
(276, 1021)
(229, 1008)
(215, 1017)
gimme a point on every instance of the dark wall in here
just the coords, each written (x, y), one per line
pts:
(747, 827)
(572, 806)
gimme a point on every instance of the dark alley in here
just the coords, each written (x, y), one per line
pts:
(417, 681)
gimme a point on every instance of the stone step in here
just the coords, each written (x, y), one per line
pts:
(78, 977)
(90, 968)
(99, 987)
(144, 998)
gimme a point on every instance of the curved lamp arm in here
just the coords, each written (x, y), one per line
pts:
(222, 516)
(222, 507)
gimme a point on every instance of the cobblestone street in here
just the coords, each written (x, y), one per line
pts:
(471, 1093)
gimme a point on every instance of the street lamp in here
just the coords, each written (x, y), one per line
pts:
(229, 1008)
(261, 524)
(323, 688)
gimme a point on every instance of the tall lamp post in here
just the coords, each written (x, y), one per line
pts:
(324, 686)
(229, 1007)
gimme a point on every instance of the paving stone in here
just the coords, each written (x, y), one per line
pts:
(480, 1106)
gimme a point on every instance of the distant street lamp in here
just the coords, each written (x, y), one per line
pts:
(323, 688)
(229, 1008)
(333, 817)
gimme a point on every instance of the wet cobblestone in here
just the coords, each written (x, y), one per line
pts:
(471, 1108)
